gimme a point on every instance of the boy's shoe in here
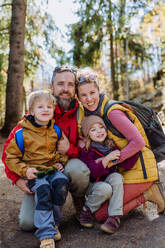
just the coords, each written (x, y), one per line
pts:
(78, 203)
(111, 225)
(86, 217)
(57, 236)
(154, 195)
(47, 243)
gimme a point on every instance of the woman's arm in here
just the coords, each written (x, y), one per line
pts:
(131, 133)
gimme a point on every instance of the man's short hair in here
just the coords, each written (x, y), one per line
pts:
(60, 69)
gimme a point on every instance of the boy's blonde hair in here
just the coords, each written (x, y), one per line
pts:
(39, 94)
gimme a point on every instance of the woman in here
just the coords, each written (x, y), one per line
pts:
(137, 189)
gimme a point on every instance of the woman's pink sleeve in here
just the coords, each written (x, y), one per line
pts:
(135, 141)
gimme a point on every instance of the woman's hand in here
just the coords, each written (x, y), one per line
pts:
(108, 160)
(22, 185)
(30, 173)
(114, 155)
(59, 167)
(63, 145)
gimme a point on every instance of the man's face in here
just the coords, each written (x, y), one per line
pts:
(64, 88)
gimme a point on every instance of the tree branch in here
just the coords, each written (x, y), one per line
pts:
(6, 4)
(4, 29)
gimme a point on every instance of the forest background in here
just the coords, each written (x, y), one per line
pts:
(124, 41)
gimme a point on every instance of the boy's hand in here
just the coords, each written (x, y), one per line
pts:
(59, 167)
(63, 145)
(30, 173)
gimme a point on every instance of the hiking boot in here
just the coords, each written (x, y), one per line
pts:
(111, 225)
(47, 243)
(57, 236)
(78, 203)
(86, 217)
(154, 195)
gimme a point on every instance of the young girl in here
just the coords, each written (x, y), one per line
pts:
(101, 155)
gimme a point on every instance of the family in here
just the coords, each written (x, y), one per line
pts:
(67, 147)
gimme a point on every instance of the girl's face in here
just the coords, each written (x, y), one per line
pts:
(89, 96)
(97, 133)
(43, 111)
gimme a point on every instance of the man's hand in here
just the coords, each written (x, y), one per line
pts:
(63, 145)
(22, 185)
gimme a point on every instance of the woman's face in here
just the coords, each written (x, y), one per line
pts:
(88, 95)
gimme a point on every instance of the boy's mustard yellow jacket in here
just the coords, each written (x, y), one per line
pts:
(40, 149)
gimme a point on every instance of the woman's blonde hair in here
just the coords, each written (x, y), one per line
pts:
(87, 75)
(39, 94)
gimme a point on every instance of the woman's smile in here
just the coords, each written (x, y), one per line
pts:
(89, 96)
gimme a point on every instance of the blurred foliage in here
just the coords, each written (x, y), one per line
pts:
(104, 29)
(40, 35)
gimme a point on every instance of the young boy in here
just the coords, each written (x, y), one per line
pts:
(41, 164)
(101, 155)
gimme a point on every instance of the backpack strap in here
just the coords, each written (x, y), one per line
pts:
(19, 140)
(58, 131)
(143, 165)
(79, 116)
(107, 122)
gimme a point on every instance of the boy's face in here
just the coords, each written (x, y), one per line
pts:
(43, 111)
(97, 133)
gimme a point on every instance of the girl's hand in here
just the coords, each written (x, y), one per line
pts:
(81, 141)
(30, 173)
(98, 160)
(59, 167)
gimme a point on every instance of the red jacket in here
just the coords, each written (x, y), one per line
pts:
(67, 121)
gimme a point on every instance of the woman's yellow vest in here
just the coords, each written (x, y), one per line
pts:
(134, 175)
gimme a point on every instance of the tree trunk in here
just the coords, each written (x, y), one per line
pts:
(14, 89)
(112, 60)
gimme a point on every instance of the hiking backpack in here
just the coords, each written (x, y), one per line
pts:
(150, 122)
(20, 141)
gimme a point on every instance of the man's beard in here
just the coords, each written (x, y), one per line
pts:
(64, 103)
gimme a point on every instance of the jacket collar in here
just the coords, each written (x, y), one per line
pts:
(60, 111)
